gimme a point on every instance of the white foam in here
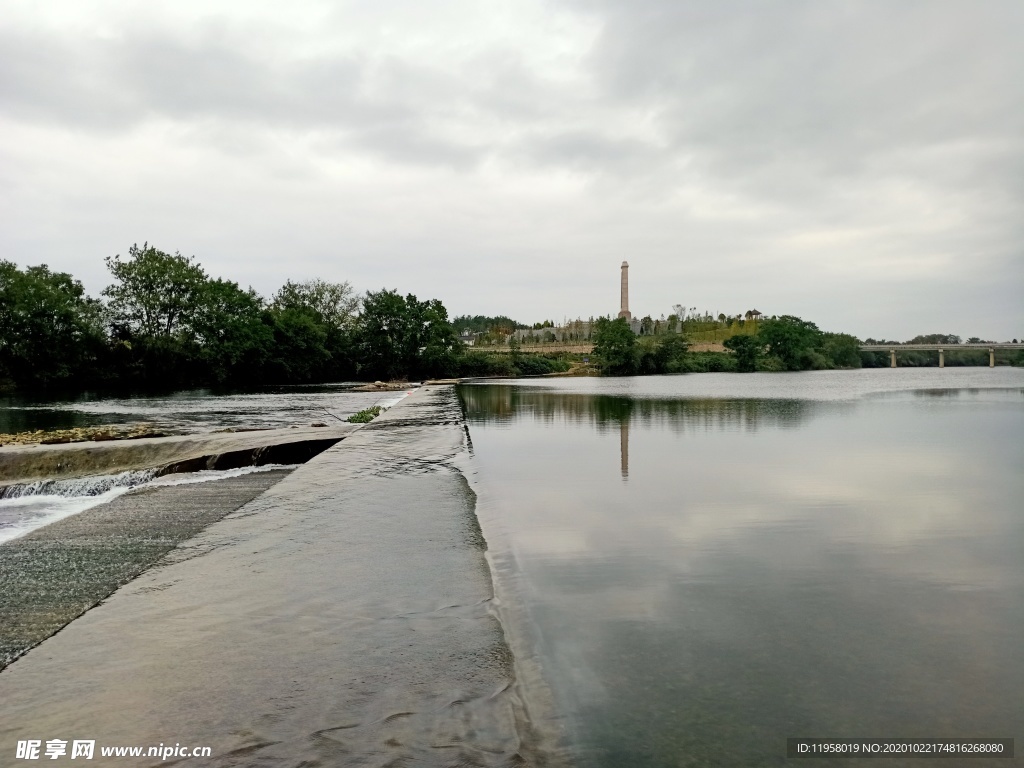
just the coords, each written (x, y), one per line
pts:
(206, 475)
(30, 506)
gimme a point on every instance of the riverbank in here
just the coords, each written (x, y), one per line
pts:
(342, 617)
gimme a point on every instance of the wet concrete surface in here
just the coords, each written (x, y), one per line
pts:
(54, 574)
(342, 618)
(20, 464)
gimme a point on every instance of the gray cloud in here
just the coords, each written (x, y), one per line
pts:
(815, 153)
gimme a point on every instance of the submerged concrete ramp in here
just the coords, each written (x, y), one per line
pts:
(214, 450)
(340, 619)
(56, 573)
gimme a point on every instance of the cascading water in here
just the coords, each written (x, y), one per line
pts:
(79, 486)
(27, 506)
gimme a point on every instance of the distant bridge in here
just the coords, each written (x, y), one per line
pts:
(940, 348)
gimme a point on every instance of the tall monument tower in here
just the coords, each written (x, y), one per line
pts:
(624, 293)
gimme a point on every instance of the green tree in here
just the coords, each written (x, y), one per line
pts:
(404, 337)
(747, 350)
(615, 346)
(792, 340)
(661, 354)
(234, 340)
(299, 352)
(50, 332)
(333, 307)
(935, 338)
(842, 349)
(499, 324)
(156, 293)
(335, 304)
(439, 347)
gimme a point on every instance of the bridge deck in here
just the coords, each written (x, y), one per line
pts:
(936, 347)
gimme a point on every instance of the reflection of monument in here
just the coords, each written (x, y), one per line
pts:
(624, 448)
(624, 293)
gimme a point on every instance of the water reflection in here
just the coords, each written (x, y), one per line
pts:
(624, 448)
(503, 404)
(771, 568)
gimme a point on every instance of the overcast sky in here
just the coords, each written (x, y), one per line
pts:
(859, 164)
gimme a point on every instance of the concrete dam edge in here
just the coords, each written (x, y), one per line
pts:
(364, 567)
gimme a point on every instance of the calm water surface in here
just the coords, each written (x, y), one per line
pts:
(705, 565)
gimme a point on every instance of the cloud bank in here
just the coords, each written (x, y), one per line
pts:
(859, 164)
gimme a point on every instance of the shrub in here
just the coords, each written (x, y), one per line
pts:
(366, 415)
(533, 365)
(770, 364)
(708, 362)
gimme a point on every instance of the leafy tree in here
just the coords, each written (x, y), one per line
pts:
(935, 338)
(334, 304)
(156, 293)
(235, 342)
(842, 349)
(299, 350)
(672, 352)
(50, 332)
(791, 340)
(439, 346)
(501, 324)
(401, 337)
(615, 346)
(747, 350)
(332, 307)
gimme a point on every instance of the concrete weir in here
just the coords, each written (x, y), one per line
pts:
(340, 618)
(181, 453)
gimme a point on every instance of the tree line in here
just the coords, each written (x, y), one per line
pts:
(784, 343)
(164, 322)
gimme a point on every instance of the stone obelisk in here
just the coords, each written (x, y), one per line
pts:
(624, 293)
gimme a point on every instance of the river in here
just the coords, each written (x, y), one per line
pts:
(689, 571)
(697, 568)
(192, 410)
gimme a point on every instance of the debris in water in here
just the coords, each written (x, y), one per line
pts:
(84, 434)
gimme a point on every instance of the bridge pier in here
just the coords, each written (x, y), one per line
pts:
(991, 358)
(942, 359)
(892, 358)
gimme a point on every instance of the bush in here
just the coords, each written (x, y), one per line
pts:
(476, 364)
(536, 365)
(770, 364)
(813, 360)
(708, 362)
(366, 415)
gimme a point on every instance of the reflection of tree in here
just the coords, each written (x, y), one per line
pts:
(501, 403)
